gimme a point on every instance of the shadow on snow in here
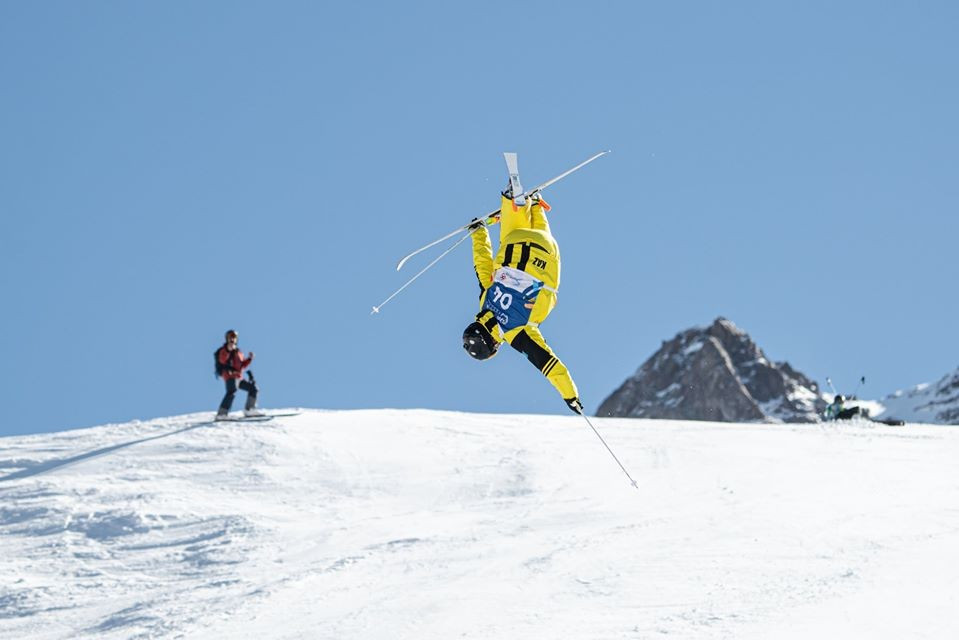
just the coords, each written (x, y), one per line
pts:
(50, 465)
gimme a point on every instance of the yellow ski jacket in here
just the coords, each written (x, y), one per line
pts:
(528, 257)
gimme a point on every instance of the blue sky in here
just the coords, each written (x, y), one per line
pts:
(171, 170)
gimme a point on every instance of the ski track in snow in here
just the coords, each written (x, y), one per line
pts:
(424, 524)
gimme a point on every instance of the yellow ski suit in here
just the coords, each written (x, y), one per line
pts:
(527, 245)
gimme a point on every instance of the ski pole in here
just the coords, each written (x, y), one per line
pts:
(377, 308)
(489, 220)
(862, 381)
(493, 216)
(631, 481)
(829, 382)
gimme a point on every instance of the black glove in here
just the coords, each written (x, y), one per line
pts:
(574, 405)
(508, 191)
(475, 224)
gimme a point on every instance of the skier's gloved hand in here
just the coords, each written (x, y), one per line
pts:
(508, 191)
(475, 224)
(575, 405)
(538, 201)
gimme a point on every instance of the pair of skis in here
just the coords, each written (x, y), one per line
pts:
(266, 417)
(519, 197)
(491, 218)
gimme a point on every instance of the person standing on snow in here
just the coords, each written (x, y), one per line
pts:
(230, 367)
(518, 291)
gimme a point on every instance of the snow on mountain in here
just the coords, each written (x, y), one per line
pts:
(422, 524)
(715, 373)
(936, 403)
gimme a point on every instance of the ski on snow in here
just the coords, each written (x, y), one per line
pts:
(263, 418)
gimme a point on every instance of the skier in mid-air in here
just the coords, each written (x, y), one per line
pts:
(518, 290)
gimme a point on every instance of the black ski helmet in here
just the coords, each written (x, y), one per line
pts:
(839, 399)
(479, 342)
(229, 334)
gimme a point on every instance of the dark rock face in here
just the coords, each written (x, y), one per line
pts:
(947, 395)
(715, 373)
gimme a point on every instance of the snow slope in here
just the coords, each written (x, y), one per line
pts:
(421, 524)
(936, 403)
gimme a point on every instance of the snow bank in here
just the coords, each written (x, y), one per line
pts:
(422, 524)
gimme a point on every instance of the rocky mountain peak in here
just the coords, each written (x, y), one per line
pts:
(715, 373)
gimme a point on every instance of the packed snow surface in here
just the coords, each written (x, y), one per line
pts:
(423, 524)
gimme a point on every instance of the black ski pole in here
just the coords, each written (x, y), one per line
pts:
(862, 381)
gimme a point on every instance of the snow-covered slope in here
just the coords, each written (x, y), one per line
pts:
(936, 403)
(419, 524)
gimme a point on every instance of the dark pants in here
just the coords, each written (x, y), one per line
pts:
(846, 414)
(231, 387)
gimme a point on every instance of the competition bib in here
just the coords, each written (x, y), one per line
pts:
(511, 297)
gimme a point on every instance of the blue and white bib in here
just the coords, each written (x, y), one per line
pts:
(511, 297)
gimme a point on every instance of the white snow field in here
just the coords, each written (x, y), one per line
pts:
(424, 524)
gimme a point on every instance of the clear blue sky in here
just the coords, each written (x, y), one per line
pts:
(171, 170)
